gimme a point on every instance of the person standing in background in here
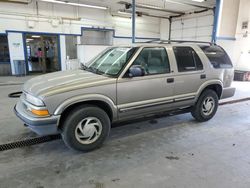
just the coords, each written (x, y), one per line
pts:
(40, 55)
(41, 59)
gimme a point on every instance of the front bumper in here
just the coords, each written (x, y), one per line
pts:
(39, 125)
(227, 92)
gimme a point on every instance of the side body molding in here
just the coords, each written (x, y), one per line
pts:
(86, 98)
(206, 84)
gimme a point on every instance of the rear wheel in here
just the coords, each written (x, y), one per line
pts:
(206, 106)
(86, 128)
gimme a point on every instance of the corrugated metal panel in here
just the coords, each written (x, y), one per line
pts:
(196, 28)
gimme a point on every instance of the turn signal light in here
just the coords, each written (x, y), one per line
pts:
(40, 112)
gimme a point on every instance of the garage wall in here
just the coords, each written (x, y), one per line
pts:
(193, 27)
(24, 18)
(69, 20)
(228, 19)
(236, 44)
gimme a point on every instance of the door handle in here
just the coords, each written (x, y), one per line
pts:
(170, 80)
(203, 76)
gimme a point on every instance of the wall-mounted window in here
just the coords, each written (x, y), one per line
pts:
(97, 37)
(4, 49)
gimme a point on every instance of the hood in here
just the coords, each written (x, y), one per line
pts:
(64, 81)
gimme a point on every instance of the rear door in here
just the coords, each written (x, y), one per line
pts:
(189, 75)
(147, 94)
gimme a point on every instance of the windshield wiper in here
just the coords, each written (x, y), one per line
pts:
(91, 69)
(83, 67)
(95, 70)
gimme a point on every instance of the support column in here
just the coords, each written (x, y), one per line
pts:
(170, 28)
(133, 21)
(216, 20)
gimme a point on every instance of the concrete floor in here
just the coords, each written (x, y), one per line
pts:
(171, 152)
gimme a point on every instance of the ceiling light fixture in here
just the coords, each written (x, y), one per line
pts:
(123, 12)
(76, 4)
(121, 16)
(191, 4)
(150, 6)
(200, 1)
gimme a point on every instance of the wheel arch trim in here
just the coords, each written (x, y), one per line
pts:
(86, 98)
(207, 84)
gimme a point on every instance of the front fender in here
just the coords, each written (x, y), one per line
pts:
(86, 98)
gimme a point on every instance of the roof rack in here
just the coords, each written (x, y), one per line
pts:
(178, 41)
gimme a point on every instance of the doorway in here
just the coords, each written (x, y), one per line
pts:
(42, 53)
(5, 68)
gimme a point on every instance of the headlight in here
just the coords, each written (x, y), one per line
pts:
(33, 100)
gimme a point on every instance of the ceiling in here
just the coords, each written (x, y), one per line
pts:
(173, 6)
(160, 8)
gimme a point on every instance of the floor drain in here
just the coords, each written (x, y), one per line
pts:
(43, 139)
(29, 142)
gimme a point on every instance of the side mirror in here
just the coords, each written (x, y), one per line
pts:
(136, 71)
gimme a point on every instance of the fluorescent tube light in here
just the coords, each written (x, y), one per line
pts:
(124, 13)
(76, 4)
(35, 36)
(150, 6)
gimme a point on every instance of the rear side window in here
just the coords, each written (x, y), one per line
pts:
(187, 59)
(217, 56)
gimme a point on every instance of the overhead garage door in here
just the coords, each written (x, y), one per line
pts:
(197, 28)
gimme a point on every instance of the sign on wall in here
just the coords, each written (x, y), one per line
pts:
(16, 49)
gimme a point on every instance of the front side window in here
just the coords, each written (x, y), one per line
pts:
(111, 61)
(187, 59)
(153, 61)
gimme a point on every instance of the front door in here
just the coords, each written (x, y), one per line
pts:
(148, 94)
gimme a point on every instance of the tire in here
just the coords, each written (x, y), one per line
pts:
(202, 112)
(85, 128)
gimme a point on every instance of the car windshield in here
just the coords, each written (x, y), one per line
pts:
(111, 61)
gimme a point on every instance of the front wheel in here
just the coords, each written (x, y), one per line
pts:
(206, 106)
(86, 128)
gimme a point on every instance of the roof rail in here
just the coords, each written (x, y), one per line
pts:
(178, 41)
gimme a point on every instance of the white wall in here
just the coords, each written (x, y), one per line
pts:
(228, 18)
(240, 46)
(87, 52)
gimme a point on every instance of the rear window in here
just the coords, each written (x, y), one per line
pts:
(217, 56)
